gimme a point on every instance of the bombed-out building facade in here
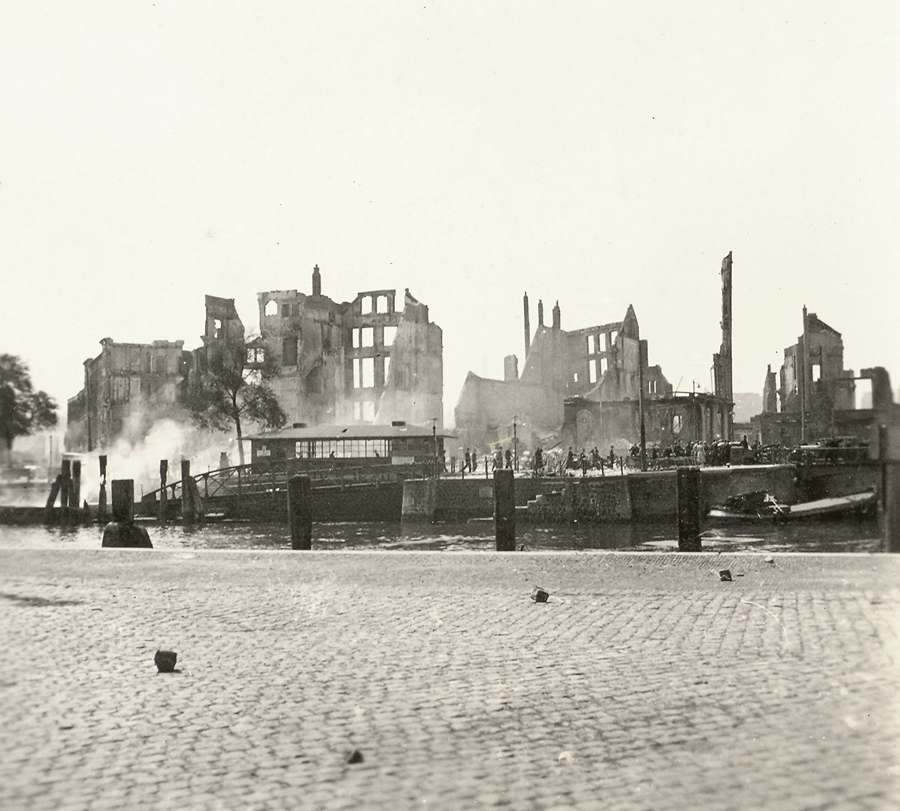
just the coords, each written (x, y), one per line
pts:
(813, 397)
(591, 387)
(127, 388)
(376, 359)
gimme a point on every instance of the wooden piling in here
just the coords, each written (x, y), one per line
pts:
(75, 493)
(505, 510)
(65, 489)
(300, 511)
(889, 456)
(187, 495)
(687, 486)
(163, 494)
(123, 500)
(101, 501)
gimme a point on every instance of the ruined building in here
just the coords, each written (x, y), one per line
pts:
(813, 397)
(375, 359)
(582, 388)
(594, 363)
(127, 387)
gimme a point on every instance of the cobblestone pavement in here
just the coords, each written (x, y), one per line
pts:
(645, 682)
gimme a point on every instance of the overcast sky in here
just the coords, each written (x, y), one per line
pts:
(597, 153)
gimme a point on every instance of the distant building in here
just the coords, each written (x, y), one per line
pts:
(127, 387)
(813, 397)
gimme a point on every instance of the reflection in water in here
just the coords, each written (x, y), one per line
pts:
(845, 536)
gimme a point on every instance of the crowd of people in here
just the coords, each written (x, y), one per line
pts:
(718, 452)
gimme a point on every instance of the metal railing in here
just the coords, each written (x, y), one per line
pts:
(254, 478)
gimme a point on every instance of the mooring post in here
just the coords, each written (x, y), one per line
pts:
(687, 487)
(123, 500)
(889, 456)
(187, 495)
(505, 510)
(75, 499)
(101, 501)
(66, 485)
(300, 511)
(163, 495)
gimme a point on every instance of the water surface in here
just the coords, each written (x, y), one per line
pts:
(845, 536)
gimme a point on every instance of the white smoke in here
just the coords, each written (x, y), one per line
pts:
(136, 455)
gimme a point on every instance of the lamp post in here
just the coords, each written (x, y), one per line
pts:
(515, 446)
(437, 472)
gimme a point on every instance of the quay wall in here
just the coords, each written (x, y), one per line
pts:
(451, 500)
(639, 497)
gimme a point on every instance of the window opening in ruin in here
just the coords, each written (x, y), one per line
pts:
(862, 393)
(592, 371)
(816, 372)
(651, 386)
(390, 333)
(367, 336)
(255, 355)
(271, 307)
(367, 305)
(364, 373)
(289, 352)
(387, 368)
(217, 327)
(677, 423)
(368, 411)
(611, 338)
(604, 365)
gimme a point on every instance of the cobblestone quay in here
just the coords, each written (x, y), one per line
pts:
(432, 680)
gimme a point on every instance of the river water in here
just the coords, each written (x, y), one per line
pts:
(844, 536)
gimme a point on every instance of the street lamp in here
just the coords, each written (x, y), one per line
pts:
(437, 472)
(515, 446)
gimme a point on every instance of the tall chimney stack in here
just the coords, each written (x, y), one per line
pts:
(316, 282)
(527, 324)
(557, 319)
(540, 312)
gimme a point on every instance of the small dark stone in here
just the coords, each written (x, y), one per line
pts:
(724, 574)
(355, 757)
(539, 595)
(165, 660)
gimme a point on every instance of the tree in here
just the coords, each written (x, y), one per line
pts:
(234, 389)
(22, 409)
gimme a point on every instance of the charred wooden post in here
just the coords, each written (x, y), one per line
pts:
(163, 494)
(300, 511)
(687, 486)
(505, 510)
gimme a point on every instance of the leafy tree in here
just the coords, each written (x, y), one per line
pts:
(233, 389)
(22, 409)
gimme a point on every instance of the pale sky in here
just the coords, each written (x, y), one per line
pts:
(597, 153)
